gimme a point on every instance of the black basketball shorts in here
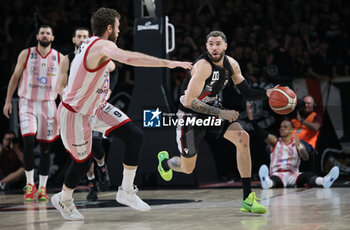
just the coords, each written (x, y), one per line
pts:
(192, 128)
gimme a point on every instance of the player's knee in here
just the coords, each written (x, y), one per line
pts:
(137, 135)
(97, 148)
(187, 169)
(243, 139)
(45, 148)
(29, 142)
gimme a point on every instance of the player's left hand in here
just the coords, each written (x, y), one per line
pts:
(296, 139)
(181, 64)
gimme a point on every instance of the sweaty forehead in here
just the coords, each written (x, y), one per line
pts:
(215, 39)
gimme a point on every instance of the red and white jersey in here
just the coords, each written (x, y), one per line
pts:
(284, 157)
(39, 78)
(86, 88)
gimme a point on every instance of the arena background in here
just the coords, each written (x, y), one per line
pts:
(274, 42)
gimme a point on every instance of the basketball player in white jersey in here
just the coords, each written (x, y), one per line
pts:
(84, 108)
(102, 182)
(286, 153)
(36, 75)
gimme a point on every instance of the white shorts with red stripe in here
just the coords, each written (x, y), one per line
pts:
(38, 118)
(287, 178)
(76, 129)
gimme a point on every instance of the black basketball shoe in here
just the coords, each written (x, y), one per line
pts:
(103, 178)
(93, 190)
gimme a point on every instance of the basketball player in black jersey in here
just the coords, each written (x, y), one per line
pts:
(199, 100)
(79, 35)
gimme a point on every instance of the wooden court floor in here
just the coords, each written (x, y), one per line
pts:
(191, 209)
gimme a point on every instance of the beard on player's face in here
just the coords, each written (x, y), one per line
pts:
(216, 56)
(113, 37)
(44, 42)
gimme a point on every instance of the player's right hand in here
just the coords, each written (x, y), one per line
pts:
(230, 115)
(181, 64)
(7, 110)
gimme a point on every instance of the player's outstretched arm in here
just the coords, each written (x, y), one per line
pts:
(242, 85)
(22, 57)
(110, 50)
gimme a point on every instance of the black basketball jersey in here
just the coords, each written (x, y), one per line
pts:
(213, 85)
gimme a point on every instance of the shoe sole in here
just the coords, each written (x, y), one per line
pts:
(246, 210)
(126, 203)
(56, 205)
(334, 174)
(160, 168)
(263, 173)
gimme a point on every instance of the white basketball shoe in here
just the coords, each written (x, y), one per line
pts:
(129, 198)
(66, 208)
(264, 176)
(331, 177)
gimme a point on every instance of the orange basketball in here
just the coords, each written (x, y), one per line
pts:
(282, 100)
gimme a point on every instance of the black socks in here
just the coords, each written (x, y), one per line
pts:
(246, 183)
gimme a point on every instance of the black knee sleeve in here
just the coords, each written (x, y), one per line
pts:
(75, 172)
(28, 154)
(307, 178)
(133, 138)
(44, 158)
(277, 183)
(97, 149)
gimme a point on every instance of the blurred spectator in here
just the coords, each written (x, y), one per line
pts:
(11, 162)
(307, 123)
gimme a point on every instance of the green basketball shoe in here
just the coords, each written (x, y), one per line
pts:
(251, 205)
(166, 175)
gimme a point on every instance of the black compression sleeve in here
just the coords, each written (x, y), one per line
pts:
(249, 93)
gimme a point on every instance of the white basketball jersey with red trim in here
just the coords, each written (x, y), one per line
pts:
(39, 78)
(284, 157)
(86, 88)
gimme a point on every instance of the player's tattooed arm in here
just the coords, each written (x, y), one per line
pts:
(201, 71)
(200, 107)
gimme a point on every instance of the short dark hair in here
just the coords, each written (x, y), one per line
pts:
(289, 121)
(101, 19)
(80, 28)
(217, 33)
(44, 26)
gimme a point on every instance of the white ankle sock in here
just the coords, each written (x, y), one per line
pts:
(128, 178)
(43, 180)
(30, 176)
(269, 182)
(100, 165)
(319, 181)
(66, 194)
(91, 178)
